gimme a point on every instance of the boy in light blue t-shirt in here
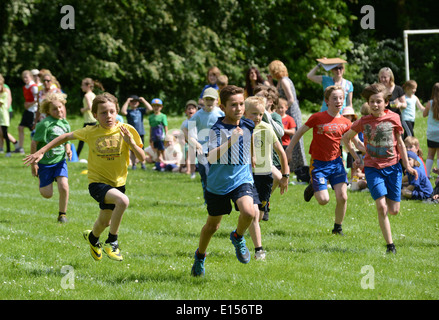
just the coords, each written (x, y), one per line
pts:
(230, 176)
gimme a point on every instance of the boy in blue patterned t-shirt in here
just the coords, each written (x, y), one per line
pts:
(230, 176)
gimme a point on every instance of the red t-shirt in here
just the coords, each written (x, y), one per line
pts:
(380, 138)
(288, 123)
(327, 134)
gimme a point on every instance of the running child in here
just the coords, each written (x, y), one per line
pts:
(110, 142)
(53, 166)
(230, 177)
(384, 146)
(326, 158)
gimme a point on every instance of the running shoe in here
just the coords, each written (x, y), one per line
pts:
(95, 250)
(198, 266)
(241, 250)
(308, 193)
(111, 249)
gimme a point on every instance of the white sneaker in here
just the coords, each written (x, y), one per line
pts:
(260, 255)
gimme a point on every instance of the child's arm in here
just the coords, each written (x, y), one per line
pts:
(347, 137)
(285, 168)
(290, 132)
(400, 145)
(218, 152)
(89, 103)
(34, 166)
(69, 154)
(146, 103)
(138, 151)
(36, 156)
(299, 133)
(419, 105)
(124, 109)
(426, 109)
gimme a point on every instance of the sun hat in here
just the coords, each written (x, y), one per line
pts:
(156, 101)
(191, 102)
(35, 72)
(210, 93)
(349, 111)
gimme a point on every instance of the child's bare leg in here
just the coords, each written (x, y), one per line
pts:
(322, 196)
(341, 197)
(63, 189)
(381, 205)
(47, 191)
(255, 229)
(208, 230)
(246, 214)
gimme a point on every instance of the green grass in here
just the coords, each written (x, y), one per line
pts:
(160, 232)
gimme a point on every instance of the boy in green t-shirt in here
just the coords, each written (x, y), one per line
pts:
(158, 123)
(53, 166)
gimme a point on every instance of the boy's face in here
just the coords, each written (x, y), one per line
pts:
(57, 110)
(234, 107)
(282, 108)
(209, 103)
(255, 113)
(157, 108)
(27, 78)
(377, 104)
(335, 101)
(190, 110)
(134, 104)
(106, 115)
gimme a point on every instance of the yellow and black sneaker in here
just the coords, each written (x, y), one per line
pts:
(95, 250)
(111, 249)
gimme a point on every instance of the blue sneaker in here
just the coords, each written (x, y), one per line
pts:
(241, 250)
(198, 266)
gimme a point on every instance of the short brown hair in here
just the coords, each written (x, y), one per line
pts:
(375, 89)
(103, 98)
(229, 91)
(329, 90)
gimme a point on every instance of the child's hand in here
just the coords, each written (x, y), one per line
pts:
(359, 163)
(413, 172)
(33, 158)
(126, 135)
(236, 133)
(283, 185)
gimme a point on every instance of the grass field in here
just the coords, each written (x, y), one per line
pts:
(43, 260)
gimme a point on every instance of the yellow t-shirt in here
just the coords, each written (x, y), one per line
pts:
(264, 139)
(108, 155)
(88, 115)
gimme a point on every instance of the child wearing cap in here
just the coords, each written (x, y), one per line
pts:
(135, 116)
(420, 188)
(189, 150)
(198, 131)
(158, 123)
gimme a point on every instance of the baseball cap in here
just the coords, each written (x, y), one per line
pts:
(412, 155)
(134, 97)
(156, 101)
(210, 93)
(191, 102)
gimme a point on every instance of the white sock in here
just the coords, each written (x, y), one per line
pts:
(429, 164)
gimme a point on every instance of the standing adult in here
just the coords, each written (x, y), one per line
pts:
(253, 78)
(287, 91)
(336, 79)
(397, 100)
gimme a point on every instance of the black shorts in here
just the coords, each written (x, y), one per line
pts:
(219, 204)
(263, 184)
(98, 192)
(432, 144)
(27, 119)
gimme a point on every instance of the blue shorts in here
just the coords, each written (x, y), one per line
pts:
(48, 172)
(98, 192)
(384, 182)
(219, 204)
(159, 145)
(324, 171)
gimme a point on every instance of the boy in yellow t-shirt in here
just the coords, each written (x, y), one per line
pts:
(109, 142)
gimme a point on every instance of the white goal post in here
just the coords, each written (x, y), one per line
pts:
(406, 47)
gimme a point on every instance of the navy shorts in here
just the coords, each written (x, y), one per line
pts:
(219, 204)
(48, 172)
(263, 184)
(27, 119)
(159, 145)
(98, 192)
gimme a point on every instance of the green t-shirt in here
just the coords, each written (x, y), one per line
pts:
(156, 119)
(47, 130)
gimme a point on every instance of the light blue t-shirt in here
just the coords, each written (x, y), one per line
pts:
(347, 87)
(409, 113)
(234, 167)
(200, 124)
(432, 125)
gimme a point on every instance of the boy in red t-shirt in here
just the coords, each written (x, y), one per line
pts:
(287, 121)
(326, 161)
(384, 149)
